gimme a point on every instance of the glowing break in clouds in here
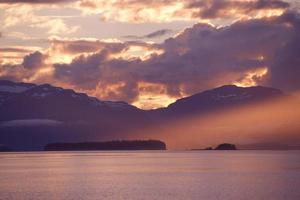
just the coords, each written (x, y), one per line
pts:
(252, 78)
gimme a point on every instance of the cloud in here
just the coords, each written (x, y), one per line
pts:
(92, 55)
(15, 49)
(82, 71)
(140, 11)
(33, 60)
(16, 14)
(261, 51)
(77, 46)
(158, 33)
(30, 122)
(26, 15)
(72, 60)
(33, 67)
(55, 26)
(285, 67)
(14, 54)
(74, 47)
(199, 58)
(155, 34)
(12, 72)
(34, 1)
(209, 9)
(166, 10)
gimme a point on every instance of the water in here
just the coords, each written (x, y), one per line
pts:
(151, 175)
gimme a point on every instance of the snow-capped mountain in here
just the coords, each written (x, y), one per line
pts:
(10, 90)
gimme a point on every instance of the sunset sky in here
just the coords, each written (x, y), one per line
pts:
(150, 52)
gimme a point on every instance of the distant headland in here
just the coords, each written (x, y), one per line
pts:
(108, 145)
(4, 148)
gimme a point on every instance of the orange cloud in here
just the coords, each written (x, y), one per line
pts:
(252, 78)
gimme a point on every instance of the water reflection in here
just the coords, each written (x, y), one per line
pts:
(150, 175)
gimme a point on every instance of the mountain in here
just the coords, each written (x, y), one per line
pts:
(32, 116)
(219, 98)
(29, 101)
(8, 89)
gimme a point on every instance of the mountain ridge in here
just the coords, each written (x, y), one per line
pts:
(41, 114)
(32, 87)
(216, 99)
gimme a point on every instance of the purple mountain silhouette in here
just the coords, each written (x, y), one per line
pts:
(34, 115)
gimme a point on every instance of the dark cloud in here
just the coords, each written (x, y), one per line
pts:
(83, 46)
(155, 34)
(34, 60)
(87, 46)
(82, 71)
(158, 33)
(285, 67)
(24, 71)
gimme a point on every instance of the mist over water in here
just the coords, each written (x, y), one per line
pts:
(151, 175)
(272, 124)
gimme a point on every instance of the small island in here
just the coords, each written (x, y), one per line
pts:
(108, 145)
(224, 146)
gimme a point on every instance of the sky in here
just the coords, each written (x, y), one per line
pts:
(150, 52)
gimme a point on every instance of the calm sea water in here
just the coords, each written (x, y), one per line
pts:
(146, 175)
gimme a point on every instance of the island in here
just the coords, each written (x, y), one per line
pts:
(4, 148)
(108, 145)
(224, 146)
